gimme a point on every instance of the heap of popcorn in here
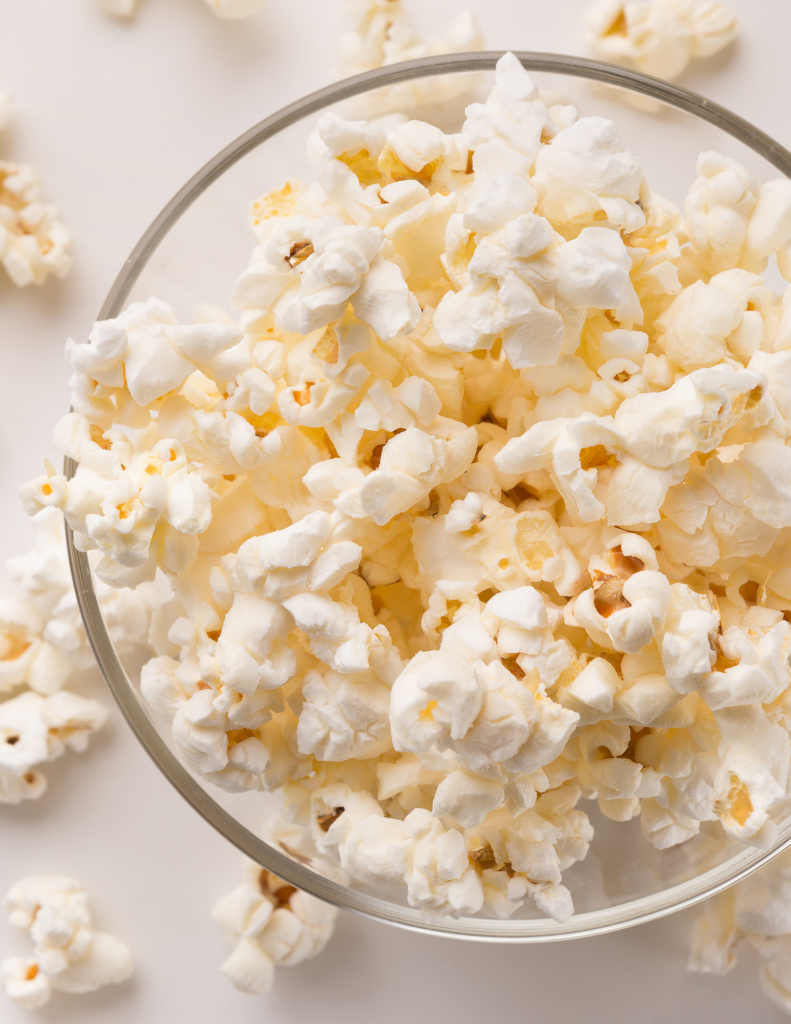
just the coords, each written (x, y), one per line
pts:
(480, 506)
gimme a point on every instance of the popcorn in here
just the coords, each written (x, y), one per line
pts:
(270, 923)
(586, 170)
(146, 348)
(34, 242)
(35, 729)
(379, 33)
(735, 221)
(659, 37)
(478, 510)
(431, 860)
(707, 321)
(27, 658)
(753, 771)
(343, 715)
(310, 271)
(755, 911)
(69, 955)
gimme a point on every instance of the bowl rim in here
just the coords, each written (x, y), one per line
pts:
(599, 922)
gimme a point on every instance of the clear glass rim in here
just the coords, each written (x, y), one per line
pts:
(597, 922)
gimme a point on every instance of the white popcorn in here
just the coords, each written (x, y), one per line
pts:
(343, 715)
(439, 877)
(146, 348)
(43, 573)
(687, 642)
(26, 657)
(479, 711)
(36, 729)
(753, 771)
(759, 672)
(158, 499)
(707, 321)
(732, 219)
(335, 812)
(585, 170)
(661, 36)
(270, 923)
(34, 242)
(379, 33)
(311, 270)
(69, 955)
(411, 464)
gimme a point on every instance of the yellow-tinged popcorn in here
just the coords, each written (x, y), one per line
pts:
(479, 508)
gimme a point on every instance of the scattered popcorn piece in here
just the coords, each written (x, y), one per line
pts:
(659, 37)
(69, 955)
(34, 242)
(379, 32)
(36, 729)
(270, 923)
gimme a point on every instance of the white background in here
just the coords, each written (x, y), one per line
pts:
(116, 117)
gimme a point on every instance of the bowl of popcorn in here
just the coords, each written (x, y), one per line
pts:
(464, 501)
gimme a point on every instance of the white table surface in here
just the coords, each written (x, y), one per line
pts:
(116, 117)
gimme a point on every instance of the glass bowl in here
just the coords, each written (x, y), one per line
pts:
(192, 254)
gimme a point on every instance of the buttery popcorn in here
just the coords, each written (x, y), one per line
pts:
(659, 37)
(477, 511)
(69, 955)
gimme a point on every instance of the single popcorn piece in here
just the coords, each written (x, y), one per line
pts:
(269, 923)
(69, 955)
(475, 508)
(380, 32)
(36, 729)
(659, 37)
(34, 242)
